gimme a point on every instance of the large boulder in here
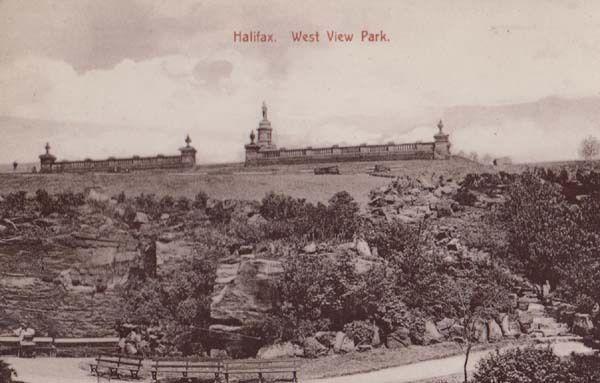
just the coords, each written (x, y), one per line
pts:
(280, 350)
(400, 338)
(311, 248)
(313, 348)
(582, 324)
(525, 320)
(343, 344)
(363, 249)
(141, 218)
(376, 339)
(480, 331)
(326, 338)
(444, 326)
(431, 334)
(243, 291)
(174, 250)
(494, 331)
(510, 328)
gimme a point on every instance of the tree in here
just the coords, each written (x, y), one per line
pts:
(589, 148)
(178, 300)
(477, 302)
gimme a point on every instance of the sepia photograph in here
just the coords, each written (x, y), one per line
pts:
(315, 191)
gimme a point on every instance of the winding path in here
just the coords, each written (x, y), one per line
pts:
(435, 368)
(74, 370)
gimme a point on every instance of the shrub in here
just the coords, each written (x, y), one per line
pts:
(531, 365)
(6, 372)
(392, 237)
(14, 203)
(121, 197)
(584, 368)
(276, 206)
(218, 213)
(200, 200)
(465, 197)
(148, 204)
(361, 332)
(178, 301)
(166, 203)
(183, 204)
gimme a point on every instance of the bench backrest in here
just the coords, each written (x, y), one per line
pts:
(126, 361)
(205, 366)
(264, 366)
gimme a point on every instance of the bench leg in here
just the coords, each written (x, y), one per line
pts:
(260, 377)
(134, 374)
(226, 378)
(295, 377)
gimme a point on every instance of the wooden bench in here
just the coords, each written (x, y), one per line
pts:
(206, 370)
(277, 370)
(113, 365)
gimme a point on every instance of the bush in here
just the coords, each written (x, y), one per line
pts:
(361, 332)
(465, 197)
(535, 365)
(14, 203)
(218, 213)
(6, 372)
(183, 204)
(200, 200)
(584, 368)
(121, 197)
(276, 206)
(531, 365)
(178, 301)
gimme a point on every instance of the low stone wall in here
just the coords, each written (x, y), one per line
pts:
(381, 156)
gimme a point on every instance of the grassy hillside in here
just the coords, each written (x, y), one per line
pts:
(233, 181)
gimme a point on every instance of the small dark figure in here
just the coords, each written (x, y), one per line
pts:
(15, 164)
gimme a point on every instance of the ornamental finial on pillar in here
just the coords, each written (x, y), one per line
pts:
(440, 125)
(188, 140)
(252, 137)
(47, 147)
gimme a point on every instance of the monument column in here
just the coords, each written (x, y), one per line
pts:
(441, 145)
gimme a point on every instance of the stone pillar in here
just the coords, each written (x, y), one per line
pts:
(47, 160)
(441, 146)
(188, 154)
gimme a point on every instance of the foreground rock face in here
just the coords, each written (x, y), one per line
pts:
(243, 289)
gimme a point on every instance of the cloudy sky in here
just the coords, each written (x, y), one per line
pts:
(122, 77)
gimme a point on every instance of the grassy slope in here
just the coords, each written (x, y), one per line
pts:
(236, 182)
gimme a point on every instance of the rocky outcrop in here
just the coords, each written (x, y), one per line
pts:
(343, 344)
(313, 348)
(582, 324)
(431, 334)
(280, 350)
(243, 289)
